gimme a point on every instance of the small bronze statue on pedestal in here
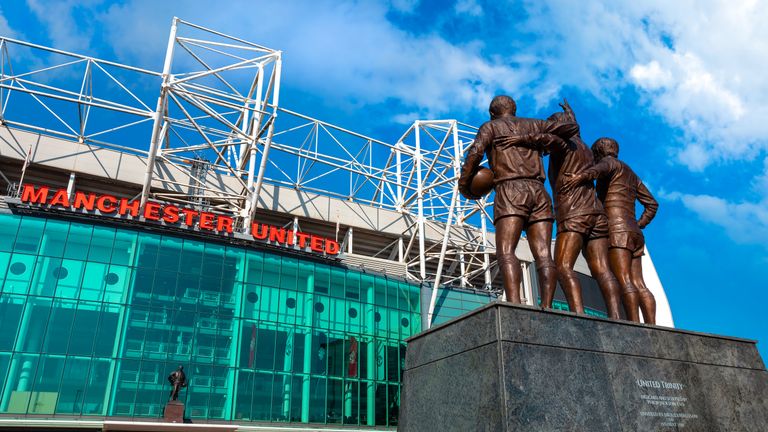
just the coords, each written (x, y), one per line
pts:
(178, 380)
(174, 410)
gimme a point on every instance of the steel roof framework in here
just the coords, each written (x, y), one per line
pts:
(216, 109)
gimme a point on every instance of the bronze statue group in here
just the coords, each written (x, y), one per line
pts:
(598, 219)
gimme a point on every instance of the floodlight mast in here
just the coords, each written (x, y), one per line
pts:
(203, 102)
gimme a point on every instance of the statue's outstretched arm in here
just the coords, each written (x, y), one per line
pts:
(543, 142)
(600, 169)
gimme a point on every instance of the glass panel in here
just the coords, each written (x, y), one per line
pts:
(243, 395)
(29, 235)
(393, 404)
(313, 277)
(192, 256)
(149, 248)
(5, 361)
(47, 273)
(5, 258)
(381, 291)
(117, 282)
(381, 404)
(281, 397)
(70, 277)
(59, 327)
(152, 392)
(102, 241)
(128, 378)
(213, 261)
(335, 401)
(271, 273)
(253, 268)
(265, 349)
(45, 392)
(393, 288)
(19, 382)
(84, 329)
(317, 398)
(262, 396)
(351, 402)
(337, 284)
(54, 238)
(199, 392)
(106, 333)
(11, 310)
(170, 258)
(352, 289)
(289, 274)
(297, 397)
(78, 241)
(73, 386)
(234, 265)
(96, 388)
(367, 289)
(8, 228)
(268, 304)
(124, 248)
(19, 275)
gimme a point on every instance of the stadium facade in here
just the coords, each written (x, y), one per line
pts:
(281, 260)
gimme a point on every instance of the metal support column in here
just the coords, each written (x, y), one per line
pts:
(447, 232)
(160, 126)
(268, 142)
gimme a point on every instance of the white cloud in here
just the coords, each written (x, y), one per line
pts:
(650, 76)
(348, 51)
(744, 222)
(63, 29)
(5, 28)
(469, 7)
(700, 65)
(405, 6)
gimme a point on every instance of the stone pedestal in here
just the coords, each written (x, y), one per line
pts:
(516, 368)
(174, 412)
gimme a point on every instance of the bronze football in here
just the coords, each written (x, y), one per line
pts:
(482, 182)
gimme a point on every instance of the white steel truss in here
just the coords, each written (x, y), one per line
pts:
(215, 109)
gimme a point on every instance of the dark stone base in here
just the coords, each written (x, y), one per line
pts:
(515, 368)
(174, 412)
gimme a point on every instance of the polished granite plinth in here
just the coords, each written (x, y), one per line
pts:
(509, 368)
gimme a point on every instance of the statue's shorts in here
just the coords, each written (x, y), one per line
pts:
(592, 226)
(631, 240)
(526, 198)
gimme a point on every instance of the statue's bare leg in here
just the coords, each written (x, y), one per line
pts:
(596, 253)
(540, 240)
(621, 265)
(508, 230)
(567, 248)
(646, 298)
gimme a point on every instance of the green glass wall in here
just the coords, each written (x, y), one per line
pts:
(93, 318)
(452, 303)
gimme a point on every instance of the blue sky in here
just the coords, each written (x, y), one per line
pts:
(681, 85)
